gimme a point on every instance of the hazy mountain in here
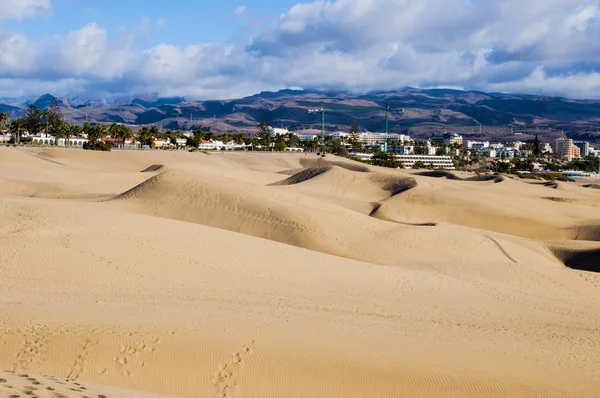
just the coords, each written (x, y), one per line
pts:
(425, 111)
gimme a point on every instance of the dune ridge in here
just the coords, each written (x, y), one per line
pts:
(269, 275)
(452, 176)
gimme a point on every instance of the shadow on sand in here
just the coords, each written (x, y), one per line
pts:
(582, 260)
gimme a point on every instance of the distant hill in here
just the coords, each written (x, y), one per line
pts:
(425, 111)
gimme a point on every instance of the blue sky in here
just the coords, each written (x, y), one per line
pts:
(226, 49)
(181, 22)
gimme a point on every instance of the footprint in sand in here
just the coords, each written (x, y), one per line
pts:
(224, 377)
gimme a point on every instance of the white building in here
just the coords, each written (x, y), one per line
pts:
(220, 145)
(278, 131)
(292, 149)
(338, 135)
(49, 140)
(478, 145)
(565, 149)
(160, 143)
(584, 147)
(429, 149)
(307, 137)
(439, 162)
(490, 152)
(507, 153)
(447, 139)
(379, 138)
(405, 150)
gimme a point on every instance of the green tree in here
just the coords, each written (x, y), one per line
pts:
(292, 140)
(86, 128)
(54, 117)
(207, 135)
(537, 147)
(418, 165)
(114, 130)
(239, 139)
(33, 120)
(3, 120)
(144, 137)
(97, 133)
(16, 126)
(384, 159)
(264, 132)
(279, 143)
(124, 134)
(43, 118)
(73, 131)
(354, 139)
(58, 130)
(154, 132)
(339, 148)
(312, 145)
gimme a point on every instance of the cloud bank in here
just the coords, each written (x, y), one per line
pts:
(534, 46)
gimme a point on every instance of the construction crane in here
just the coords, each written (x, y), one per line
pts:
(322, 111)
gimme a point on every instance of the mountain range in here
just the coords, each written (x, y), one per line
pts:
(418, 112)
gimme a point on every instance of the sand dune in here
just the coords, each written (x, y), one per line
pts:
(287, 217)
(266, 275)
(510, 207)
(27, 385)
(452, 176)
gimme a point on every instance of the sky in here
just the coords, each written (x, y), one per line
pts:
(233, 48)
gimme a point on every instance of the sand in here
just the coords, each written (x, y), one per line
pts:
(287, 275)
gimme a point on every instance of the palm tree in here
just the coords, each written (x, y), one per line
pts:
(73, 130)
(15, 128)
(114, 130)
(59, 130)
(124, 134)
(43, 121)
(3, 120)
(97, 133)
(86, 128)
(154, 131)
(93, 134)
(238, 139)
(142, 136)
(102, 131)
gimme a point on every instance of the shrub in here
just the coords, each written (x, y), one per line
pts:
(418, 165)
(385, 160)
(563, 179)
(97, 146)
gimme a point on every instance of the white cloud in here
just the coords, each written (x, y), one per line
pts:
(240, 11)
(16, 53)
(549, 46)
(161, 22)
(576, 85)
(21, 9)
